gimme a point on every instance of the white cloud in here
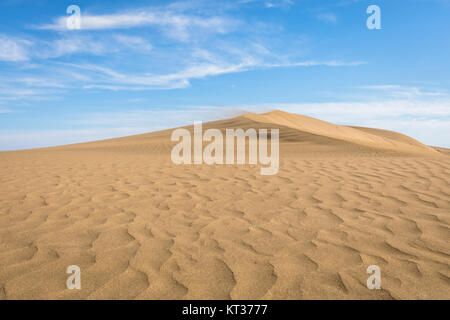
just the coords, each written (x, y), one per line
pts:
(12, 49)
(171, 66)
(40, 82)
(354, 112)
(73, 45)
(405, 92)
(21, 50)
(327, 17)
(28, 89)
(278, 3)
(133, 42)
(157, 119)
(51, 80)
(177, 25)
(270, 3)
(107, 78)
(92, 45)
(312, 63)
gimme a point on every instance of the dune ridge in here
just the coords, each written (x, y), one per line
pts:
(141, 227)
(375, 138)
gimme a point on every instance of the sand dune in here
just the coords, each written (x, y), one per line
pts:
(141, 227)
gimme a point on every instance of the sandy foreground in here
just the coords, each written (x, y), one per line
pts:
(141, 227)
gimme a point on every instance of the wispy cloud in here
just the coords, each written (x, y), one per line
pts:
(40, 82)
(196, 62)
(407, 92)
(106, 78)
(13, 49)
(327, 17)
(148, 60)
(101, 77)
(156, 119)
(270, 3)
(176, 25)
(357, 112)
(2, 110)
(278, 3)
(134, 42)
(73, 45)
(312, 63)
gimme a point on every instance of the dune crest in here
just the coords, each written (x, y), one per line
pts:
(363, 136)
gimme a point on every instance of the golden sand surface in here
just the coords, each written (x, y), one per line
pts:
(141, 227)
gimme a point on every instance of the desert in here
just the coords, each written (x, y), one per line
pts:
(141, 227)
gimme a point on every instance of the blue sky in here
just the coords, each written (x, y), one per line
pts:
(139, 66)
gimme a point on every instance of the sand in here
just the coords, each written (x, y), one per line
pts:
(141, 227)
